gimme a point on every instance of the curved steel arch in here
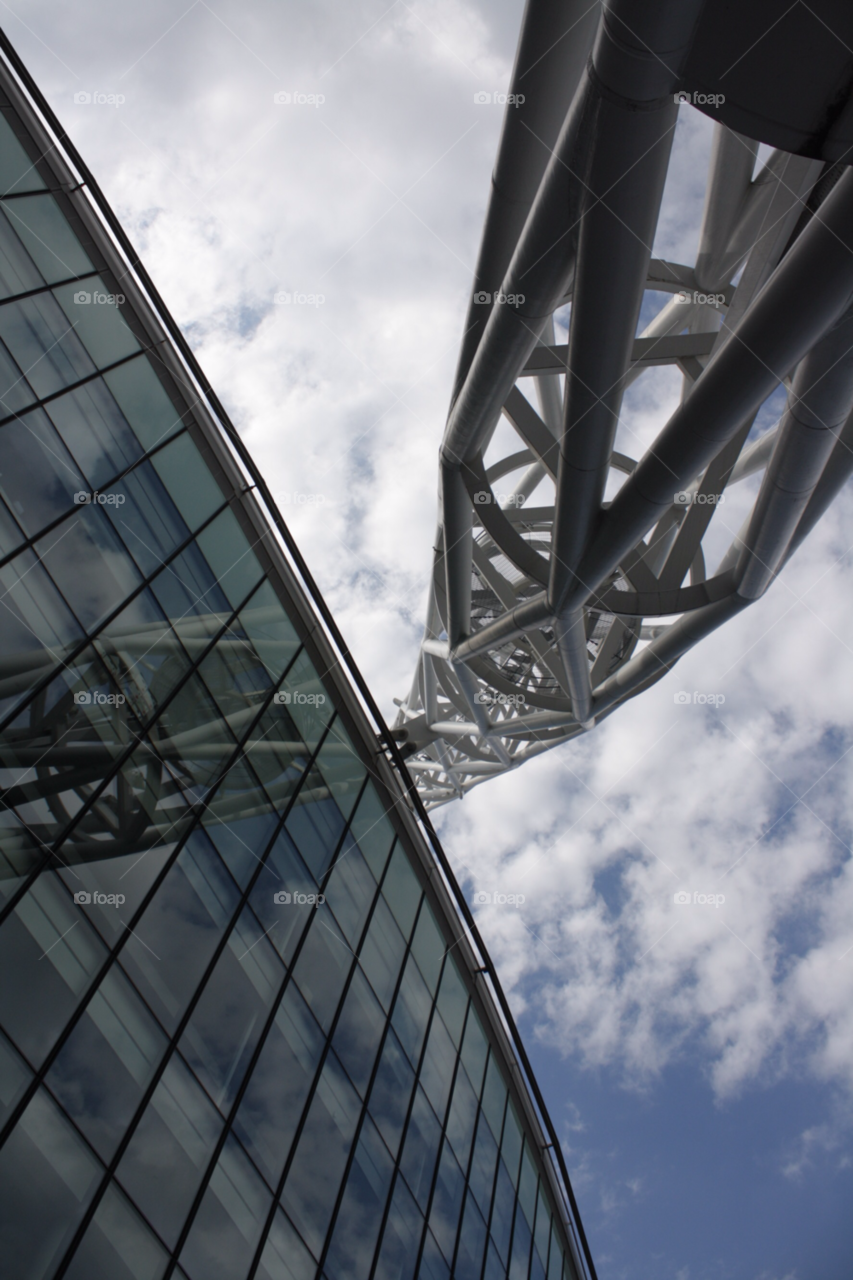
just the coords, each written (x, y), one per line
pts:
(550, 605)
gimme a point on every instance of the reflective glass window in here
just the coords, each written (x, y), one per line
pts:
(84, 556)
(322, 967)
(438, 1064)
(495, 1269)
(227, 1021)
(18, 272)
(285, 1256)
(272, 1104)
(428, 946)
(48, 1176)
(433, 1265)
(420, 1148)
(144, 517)
(411, 1011)
(481, 1177)
(17, 171)
(95, 431)
(42, 342)
(472, 1243)
(475, 1050)
(511, 1143)
(283, 896)
(358, 1031)
(198, 501)
(140, 395)
(44, 232)
(226, 549)
(359, 1217)
(350, 890)
(555, 1257)
(97, 320)
(527, 1185)
(321, 1154)
(117, 1245)
(107, 1063)
(35, 617)
(373, 831)
(521, 1242)
(462, 1118)
(15, 392)
(494, 1097)
(341, 767)
(401, 1238)
(176, 936)
(543, 1224)
(38, 476)
(269, 631)
(381, 953)
(401, 890)
(54, 954)
(447, 1201)
(453, 1000)
(227, 1228)
(391, 1091)
(502, 1211)
(169, 1152)
(309, 702)
(14, 1077)
(315, 824)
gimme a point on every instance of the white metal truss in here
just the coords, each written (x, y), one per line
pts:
(569, 576)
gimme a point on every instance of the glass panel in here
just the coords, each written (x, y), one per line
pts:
(447, 1201)
(401, 890)
(360, 1214)
(17, 171)
(239, 818)
(321, 1154)
(341, 768)
(433, 1266)
(227, 1227)
(174, 940)
(402, 1237)
(144, 517)
(411, 1011)
(285, 1256)
(11, 533)
(315, 823)
(181, 458)
(392, 1089)
(15, 392)
(270, 631)
(428, 946)
(309, 704)
(18, 272)
(169, 1152)
(322, 967)
(54, 954)
(437, 1066)
(521, 1241)
(140, 395)
(35, 616)
(494, 1097)
(452, 1000)
(284, 896)
(38, 477)
(227, 551)
(97, 320)
(472, 1242)
(14, 1078)
(271, 1106)
(481, 1177)
(502, 1211)
(475, 1049)
(381, 953)
(188, 593)
(96, 432)
(555, 1257)
(358, 1031)
(372, 829)
(350, 890)
(495, 1270)
(511, 1143)
(47, 238)
(48, 1176)
(44, 345)
(420, 1149)
(462, 1117)
(85, 556)
(527, 1185)
(107, 1063)
(223, 1031)
(117, 1245)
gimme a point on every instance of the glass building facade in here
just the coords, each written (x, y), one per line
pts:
(242, 1029)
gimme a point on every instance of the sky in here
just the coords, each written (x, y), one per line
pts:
(697, 1057)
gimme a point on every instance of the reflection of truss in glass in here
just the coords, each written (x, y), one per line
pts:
(568, 576)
